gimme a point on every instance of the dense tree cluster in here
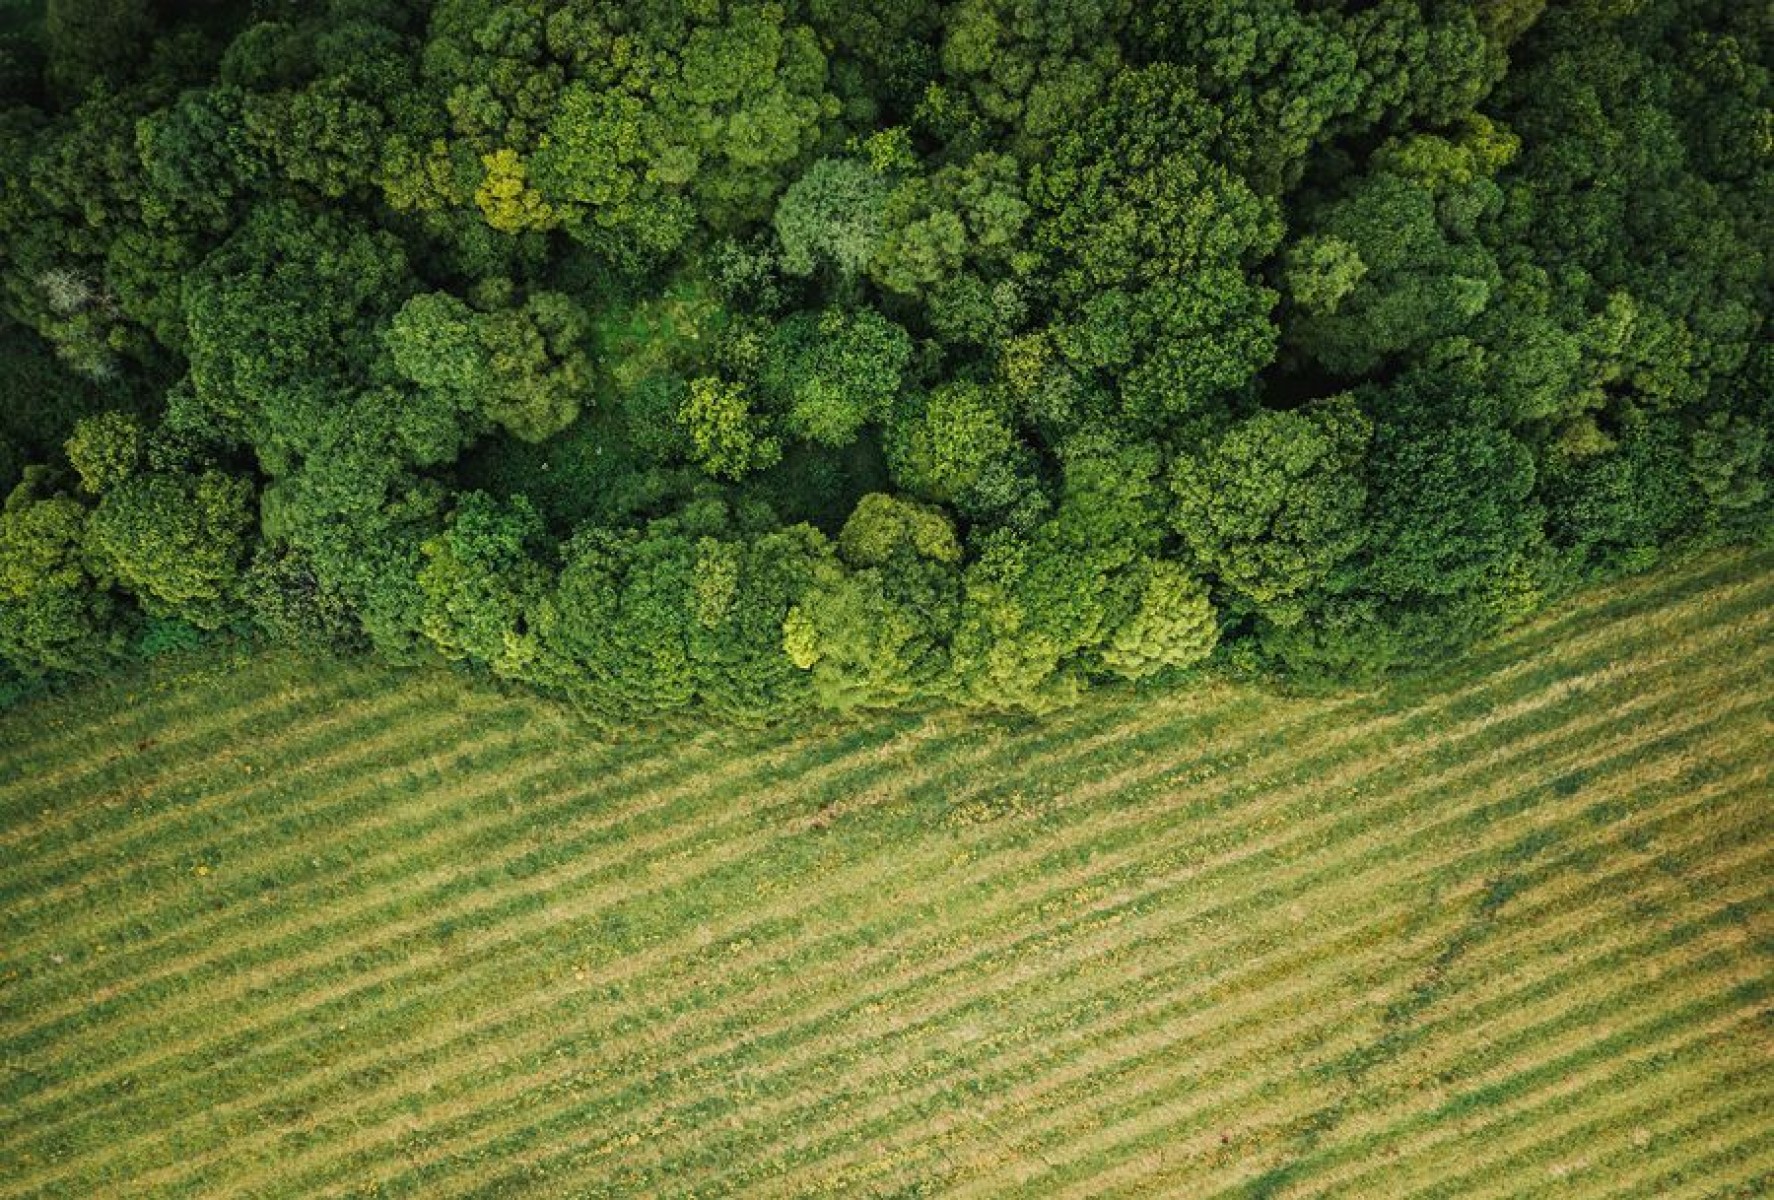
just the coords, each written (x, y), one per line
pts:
(768, 356)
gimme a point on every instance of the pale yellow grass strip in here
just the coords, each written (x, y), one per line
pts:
(1565, 731)
(1419, 748)
(1747, 1136)
(1157, 1172)
(1604, 1100)
(1255, 1126)
(267, 974)
(721, 854)
(1478, 1023)
(1060, 1114)
(1628, 1009)
(1516, 952)
(435, 761)
(119, 837)
(205, 928)
(168, 726)
(784, 907)
(1551, 926)
(869, 881)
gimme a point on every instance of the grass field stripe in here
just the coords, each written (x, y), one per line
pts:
(331, 953)
(1227, 1056)
(1250, 1126)
(381, 784)
(1426, 1061)
(1627, 1100)
(556, 765)
(1736, 1166)
(1477, 1005)
(742, 877)
(1652, 1012)
(1606, 1105)
(1381, 918)
(827, 764)
(1240, 1181)
(503, 785)
(71, 992)
(86, 817)
(1597, 959)
(250, 812)
(1582, 890)
(298, 740)
(129, 837)
(27, 776)
(1115, 1137)
(1352, 1160)
(79, 784)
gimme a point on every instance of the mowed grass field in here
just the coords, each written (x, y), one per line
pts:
(291, 929)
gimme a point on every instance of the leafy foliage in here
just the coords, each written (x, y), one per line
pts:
(770, 357)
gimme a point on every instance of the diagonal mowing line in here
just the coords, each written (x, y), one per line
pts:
(276, 970)
(1240, 1184)
(1619, 1050)
(71, 752)
(1689, 957)
(83, 773)
(209, 928)
(132, 835)
(1333, 874)
(369, 986)
(1155, 1017)
(1711, 1080)
(378, 784)
(1400, 1030)
(949, 769)
(1494, 1011)
(1748, 1148)
(1579, 890)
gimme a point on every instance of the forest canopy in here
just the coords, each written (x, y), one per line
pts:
(766, 357)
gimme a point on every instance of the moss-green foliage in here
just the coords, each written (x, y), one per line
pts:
(54, 614)
(1316, 336)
